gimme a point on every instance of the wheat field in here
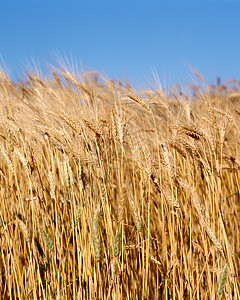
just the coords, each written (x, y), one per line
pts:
(108, 192)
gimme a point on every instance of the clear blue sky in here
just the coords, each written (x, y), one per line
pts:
(125, 38)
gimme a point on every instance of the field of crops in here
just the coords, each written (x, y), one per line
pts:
(108, 192)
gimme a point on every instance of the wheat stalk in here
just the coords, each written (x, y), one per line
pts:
(96, 235)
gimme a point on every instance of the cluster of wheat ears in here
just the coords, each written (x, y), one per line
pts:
(108, 192)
